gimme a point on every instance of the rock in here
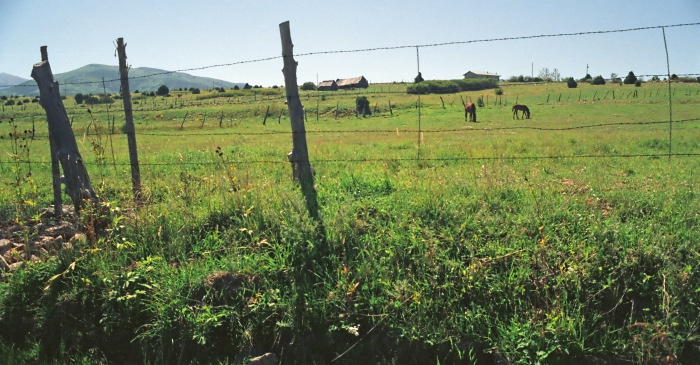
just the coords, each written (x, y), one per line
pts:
(267, 359)
(78, 238)
(4, 266)
(5, 245)
(16, 265)
(58, 243)
(64, 229)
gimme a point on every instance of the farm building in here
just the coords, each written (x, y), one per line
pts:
(328, 85)
(481, 75)
(354, 83)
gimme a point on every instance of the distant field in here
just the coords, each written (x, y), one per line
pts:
(570, 236)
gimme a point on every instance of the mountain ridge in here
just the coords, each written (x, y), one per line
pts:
(97, 79)
(10, 80)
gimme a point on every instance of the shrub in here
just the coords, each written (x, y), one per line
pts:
(638, 83)
(571, 83)
(362, 106)
(418, 78)
(630, 79)
(105, 99)
(586, 78)
(598, 80)
(195, 91)
(499, 91)
(79, 98)
(308, 86)
(92, 100)
(163, 90)
(10, 102)
(451, 86)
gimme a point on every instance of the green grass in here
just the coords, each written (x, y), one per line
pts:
(502, 242)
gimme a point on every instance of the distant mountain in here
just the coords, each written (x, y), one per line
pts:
(88, 80)
(7, 80)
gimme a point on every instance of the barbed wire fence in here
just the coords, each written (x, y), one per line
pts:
(419, 129)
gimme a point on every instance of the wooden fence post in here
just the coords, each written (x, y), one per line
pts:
(299, 156)
(65, 149)
(266, 112)
(183, 120)
(129, 124)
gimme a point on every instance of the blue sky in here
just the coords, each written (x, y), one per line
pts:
(178, 35)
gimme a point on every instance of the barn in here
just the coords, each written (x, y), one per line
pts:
(328, 85)
(354, 83)
(481, 75)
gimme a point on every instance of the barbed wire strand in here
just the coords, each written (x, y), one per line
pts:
(441, 44)
(373, 160)
(392, 131)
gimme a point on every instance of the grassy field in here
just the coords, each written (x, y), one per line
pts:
(571, 237)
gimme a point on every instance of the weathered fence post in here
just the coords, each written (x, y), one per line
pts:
(266, 113)
(299, 156)
(65, 148)
(129, 125)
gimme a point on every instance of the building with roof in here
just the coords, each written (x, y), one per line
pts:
(353, 83)
(481, 75)
(327, 85)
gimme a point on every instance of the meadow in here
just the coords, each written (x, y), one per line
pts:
(570, 237)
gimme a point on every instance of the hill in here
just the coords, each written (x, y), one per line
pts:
(88, 80)
(7, 79)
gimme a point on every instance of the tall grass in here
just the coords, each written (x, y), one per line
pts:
(500, 244)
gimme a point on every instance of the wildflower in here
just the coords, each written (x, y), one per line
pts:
(354, 330)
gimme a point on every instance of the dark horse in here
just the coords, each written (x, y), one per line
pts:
(470, 110)
(522, 108)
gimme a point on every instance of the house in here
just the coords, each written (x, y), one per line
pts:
(354, 83)
(481, 75)
(328, 85)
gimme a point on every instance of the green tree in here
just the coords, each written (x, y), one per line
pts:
(630, 79)
(598, 80)
(247, 86)
(418, 78)
(308, 86)
(163, 90)
(571, 83)
(586, 78)
(79, 98)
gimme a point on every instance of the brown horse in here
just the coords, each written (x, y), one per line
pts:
(522, 108)
(470, 110)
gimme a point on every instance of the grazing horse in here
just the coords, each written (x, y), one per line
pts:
(522, 108)
(470, 110)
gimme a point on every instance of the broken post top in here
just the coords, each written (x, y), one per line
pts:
(44, 54)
